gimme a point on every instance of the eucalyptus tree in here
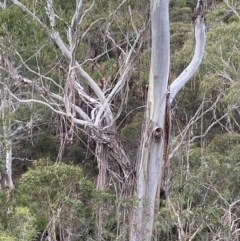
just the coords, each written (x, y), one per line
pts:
(6, 142)
(88, 106)
(155, 144)
(10, 130)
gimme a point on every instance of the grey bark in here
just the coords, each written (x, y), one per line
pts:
(155, 140)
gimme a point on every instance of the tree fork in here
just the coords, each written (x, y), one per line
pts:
(154, 154)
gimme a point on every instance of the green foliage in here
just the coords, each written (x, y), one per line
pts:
(182, 58)
(53, 182)
(130, 134)
(6, 237)
(27, 36)
(22, 224)
(220, 11)
(220, 69)
(180, 33)
(3, 209)
(60, 192)
(39, 145)
(17, 223)
(183, 3)
(45, 144)
(204, 183)
(166, 223)
(183, 15)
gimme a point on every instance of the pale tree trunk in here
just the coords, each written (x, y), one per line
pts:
(3, 4)
(6, 146)
(8, 166)
(155, 140)
(151, 158)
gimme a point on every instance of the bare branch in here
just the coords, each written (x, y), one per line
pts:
(229, 12)
(209, 127)
(193, 120)
(200, 38)
(123, 78)
(67, 53)
(77, 121)
(94, 22)
(34, 72)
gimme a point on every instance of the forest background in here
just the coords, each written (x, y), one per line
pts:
(54, 165)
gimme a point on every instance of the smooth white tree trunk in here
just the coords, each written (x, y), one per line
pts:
(6, 145)
(9, 181)
(155, 140)
(151, 158)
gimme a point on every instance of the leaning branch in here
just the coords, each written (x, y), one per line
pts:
(200, 38)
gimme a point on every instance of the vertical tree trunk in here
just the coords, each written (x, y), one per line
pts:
(9, 181)
(151, 158)
(154, 146)
(6, 176)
